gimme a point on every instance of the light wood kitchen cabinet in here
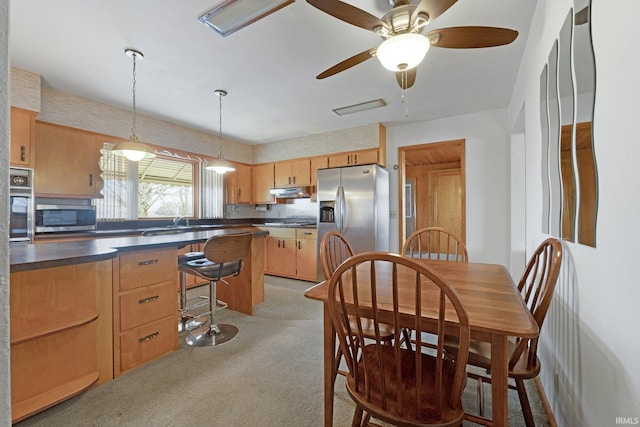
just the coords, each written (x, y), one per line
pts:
(291, 252)
(306, 256)
(61, 342)
(281, 252)
(238, 185)
(66, 162)
(145, 307)
(292, 173)
(321, 162)
(22, 135)
(361, 157)
(262, 180)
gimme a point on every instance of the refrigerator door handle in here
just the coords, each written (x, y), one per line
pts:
(338, 210)
(343, 209)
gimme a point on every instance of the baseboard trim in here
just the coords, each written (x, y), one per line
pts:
(545, 403)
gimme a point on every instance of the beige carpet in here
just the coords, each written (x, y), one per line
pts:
(270, 374)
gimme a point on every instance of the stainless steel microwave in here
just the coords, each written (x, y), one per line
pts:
(60, 218)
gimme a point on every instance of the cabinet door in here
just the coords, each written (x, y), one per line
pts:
(282, 173)
(306, 255)
(339, 160)
(301, 172)
(66, 162)
(262, 181)
(244, 183)
(231, 188)
(317, 163)
(364, 157)
(22, 132)
(281, 258)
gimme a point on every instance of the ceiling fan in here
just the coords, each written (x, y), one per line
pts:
(404, 44)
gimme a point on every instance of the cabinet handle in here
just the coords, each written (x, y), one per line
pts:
(239, 192)
(149, 299)
(149, 262)
(289, 180)
(149, 337)
(283, 244)
(23, 153)
(348, 159)
(90, 180)
(294, 179)
(307, 233)
(278, 243)
(298, 244)
(355, 159)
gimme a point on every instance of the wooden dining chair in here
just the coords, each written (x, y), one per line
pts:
(334, 250)
(393, 383)
(435, 243)
(536, 287)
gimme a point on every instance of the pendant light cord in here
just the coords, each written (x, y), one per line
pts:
(220, 126)
(133, 125)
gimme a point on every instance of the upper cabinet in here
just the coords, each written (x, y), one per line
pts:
(290, 173)
(262, 180)
(351, 158)
(22, 133)
(321, 162)
(66, 162)
(238, 185)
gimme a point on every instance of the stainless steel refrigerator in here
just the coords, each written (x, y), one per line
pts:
(354, 200)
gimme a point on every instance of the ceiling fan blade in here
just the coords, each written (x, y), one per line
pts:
(582, 17)
(347, 63)
(408, 79)
(433, 8)
(348, 13)
(471, 37)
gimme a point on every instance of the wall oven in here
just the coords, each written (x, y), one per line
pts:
(51, 218)
(20, 205)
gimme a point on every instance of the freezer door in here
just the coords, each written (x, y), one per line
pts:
(358, 208)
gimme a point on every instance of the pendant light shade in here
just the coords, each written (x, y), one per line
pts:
(220, 165)
(133, 149)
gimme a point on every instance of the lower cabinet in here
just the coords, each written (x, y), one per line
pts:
(145, 307)
(291, 252)
(60, 334)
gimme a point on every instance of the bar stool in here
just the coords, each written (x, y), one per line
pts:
(188, 321)
(223, 256)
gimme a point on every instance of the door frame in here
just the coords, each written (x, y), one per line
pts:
(405, 155)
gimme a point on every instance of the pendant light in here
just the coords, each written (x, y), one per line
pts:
(133, 149)
(220, 165)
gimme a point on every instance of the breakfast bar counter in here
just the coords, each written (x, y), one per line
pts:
(84, 312)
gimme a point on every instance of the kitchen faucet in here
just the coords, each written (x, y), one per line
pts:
(177, 219)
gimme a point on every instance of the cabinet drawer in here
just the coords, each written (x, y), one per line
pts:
(147, 304)
(143, 268)
(306, 233)
(148, 342)
(282, 233)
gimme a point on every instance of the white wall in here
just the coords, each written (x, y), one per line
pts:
(487, 177)
(5, 379)
(589, 345)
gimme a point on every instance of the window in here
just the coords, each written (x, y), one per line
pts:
(165, 186)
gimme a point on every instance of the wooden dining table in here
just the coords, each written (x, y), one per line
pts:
(495, 310)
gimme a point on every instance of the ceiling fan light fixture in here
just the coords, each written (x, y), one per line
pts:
(403, 52)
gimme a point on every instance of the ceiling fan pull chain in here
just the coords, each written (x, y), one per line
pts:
(405, 93)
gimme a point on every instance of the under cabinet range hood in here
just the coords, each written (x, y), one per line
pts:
(291, 192)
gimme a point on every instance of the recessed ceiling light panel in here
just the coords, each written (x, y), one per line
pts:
(369, 105)
(232, 15)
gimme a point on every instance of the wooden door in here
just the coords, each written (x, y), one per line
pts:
(446, 190)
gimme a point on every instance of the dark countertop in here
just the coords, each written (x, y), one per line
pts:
(24, 257)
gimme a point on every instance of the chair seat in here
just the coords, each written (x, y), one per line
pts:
(480, 356)
(189, 256)
(451, 414)
(209, 269)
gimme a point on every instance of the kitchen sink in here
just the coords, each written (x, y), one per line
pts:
(163, 231)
